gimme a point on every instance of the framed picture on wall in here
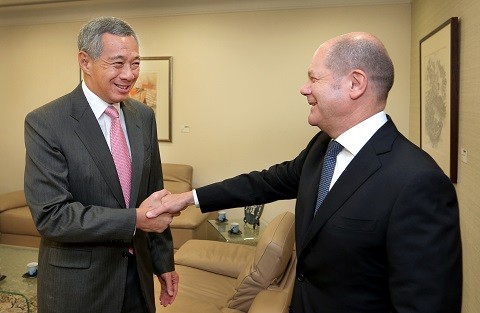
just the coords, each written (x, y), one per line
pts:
(439, 87)
(154, 88)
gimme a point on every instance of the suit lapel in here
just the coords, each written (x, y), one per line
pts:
(135, 138)
(363, 166)
(308, 187)
(92, 137)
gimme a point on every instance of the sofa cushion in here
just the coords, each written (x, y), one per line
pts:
(177, 178)
(217, 257)
(12, 200)
(18, 221)
(201, 291)
(272, 254)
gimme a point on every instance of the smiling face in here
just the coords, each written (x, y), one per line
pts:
(348, 81)
(325, 94)
(113, 74)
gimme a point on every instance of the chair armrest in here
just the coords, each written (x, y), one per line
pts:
(214, 256)
(270, 301)
(12, 200)
(190, 218)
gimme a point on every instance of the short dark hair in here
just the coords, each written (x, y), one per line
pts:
(90, 35)
(351, 52)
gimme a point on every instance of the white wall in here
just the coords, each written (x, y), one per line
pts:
(236, 81)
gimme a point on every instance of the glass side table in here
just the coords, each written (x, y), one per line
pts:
(248, 235)
(17, 293)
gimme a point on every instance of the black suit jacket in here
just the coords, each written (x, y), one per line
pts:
(77, 204)
(385, 239)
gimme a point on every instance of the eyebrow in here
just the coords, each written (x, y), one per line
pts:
(312, 73)
(121, 57)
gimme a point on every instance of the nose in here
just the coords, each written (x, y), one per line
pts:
(128, 73)
(305, 89)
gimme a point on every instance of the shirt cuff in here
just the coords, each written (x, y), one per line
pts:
(195, 198)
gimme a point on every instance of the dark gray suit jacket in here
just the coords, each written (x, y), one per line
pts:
(76, 201)
(385, 239)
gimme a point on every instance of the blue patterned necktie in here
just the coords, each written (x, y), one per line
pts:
(329, 161)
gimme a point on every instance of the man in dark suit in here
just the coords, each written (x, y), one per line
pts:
(98, 251)
(386, 237)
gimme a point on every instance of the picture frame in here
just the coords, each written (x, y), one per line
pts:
(439, 95)
(154, 88)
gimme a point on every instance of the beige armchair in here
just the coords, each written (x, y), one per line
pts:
(192, 223)
(234, 278)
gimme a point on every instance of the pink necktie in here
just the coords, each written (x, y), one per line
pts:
(120, 154)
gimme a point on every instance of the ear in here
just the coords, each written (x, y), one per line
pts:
(84, 61)
(358, 84)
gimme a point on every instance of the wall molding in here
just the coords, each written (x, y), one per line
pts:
(31, 12)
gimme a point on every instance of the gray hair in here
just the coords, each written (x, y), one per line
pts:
(90, 36)
(354, 52)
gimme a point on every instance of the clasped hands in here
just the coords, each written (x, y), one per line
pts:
(157, 211)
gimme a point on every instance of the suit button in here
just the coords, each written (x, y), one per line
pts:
(300, 277)
(125, 254)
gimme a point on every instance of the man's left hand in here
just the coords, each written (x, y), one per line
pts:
(169, 287)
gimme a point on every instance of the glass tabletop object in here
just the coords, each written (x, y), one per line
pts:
(248, 234)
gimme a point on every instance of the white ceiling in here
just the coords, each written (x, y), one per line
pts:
(15, 12)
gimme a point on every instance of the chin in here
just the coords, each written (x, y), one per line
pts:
(118, 99)
(312, 121)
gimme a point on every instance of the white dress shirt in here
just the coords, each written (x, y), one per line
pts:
(98, 107)
(353, 141)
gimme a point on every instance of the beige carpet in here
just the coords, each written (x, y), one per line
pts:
(16, 303)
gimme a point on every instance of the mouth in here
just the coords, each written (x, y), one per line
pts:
(311, 101)
(124, 88)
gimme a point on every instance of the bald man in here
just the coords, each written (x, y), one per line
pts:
(382, 234)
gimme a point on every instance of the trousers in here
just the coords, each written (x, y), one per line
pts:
(133, 300)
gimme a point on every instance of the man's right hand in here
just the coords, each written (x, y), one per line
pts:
(172, 203)
(159, 222)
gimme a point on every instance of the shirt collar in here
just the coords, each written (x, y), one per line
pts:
(356, 137)
(98, 105)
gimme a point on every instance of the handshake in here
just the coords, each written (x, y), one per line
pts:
(157, 211)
